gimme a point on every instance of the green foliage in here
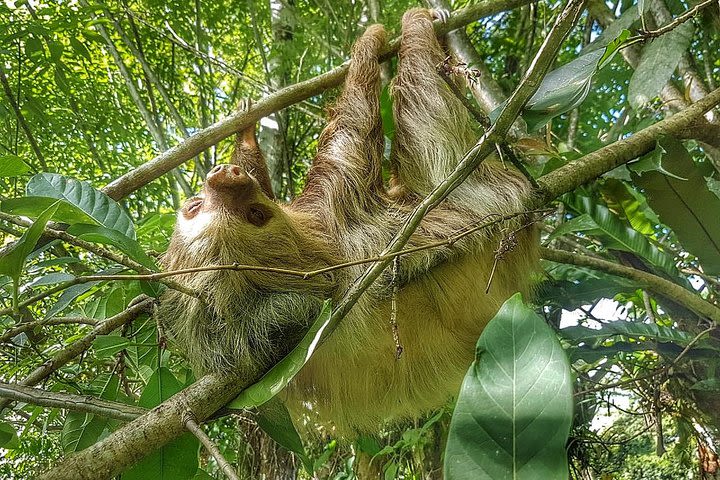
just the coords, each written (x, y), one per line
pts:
(514, 410)
(79, 128)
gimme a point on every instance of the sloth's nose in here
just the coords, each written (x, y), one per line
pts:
(228, 176)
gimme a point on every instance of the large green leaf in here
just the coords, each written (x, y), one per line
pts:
(687, 206)
(515, 408)
(618, 235)
(658, 61)
(103, 209)
(12, 260)
(81, 430)
(274, 418)
(107, 236)
(285, 370)
(12, 166)
(178, 459)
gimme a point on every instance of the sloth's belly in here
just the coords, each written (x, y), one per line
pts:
(355, 379)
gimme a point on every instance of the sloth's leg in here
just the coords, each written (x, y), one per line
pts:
(432, 128)
(345, 179)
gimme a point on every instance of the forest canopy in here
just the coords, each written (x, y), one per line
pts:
(113, 112)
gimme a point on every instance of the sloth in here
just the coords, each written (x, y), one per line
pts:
(433, 304)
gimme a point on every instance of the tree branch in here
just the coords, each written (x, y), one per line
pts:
(655, 284)
(290, 95)
(68, 401)
(584, 169)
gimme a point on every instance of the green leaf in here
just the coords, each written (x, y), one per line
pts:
(515, 407)
(178, 459)
(108, 345)
(80, 48)
(51, 279)
(56, 50)
(8, 436)
(571, 295)
(12, 166)
(71, 293)
(12, 260)
(33, 206)
(581, 223)
(562, 90)
(274, 418)
(687, 206)
(33, 47)
(107, 236)
(285, 370)
(103, 209)
(657, 64)
(629, 205)
(81, 430)
(618, 235)
(636, 330)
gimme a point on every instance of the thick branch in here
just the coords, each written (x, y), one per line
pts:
(290, 95)
(129, 444)
(76, 403)
(578, 172)
(655, 284)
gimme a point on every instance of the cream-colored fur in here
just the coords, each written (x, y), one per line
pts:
(252, 319)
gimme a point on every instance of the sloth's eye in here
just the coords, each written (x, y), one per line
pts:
(192, 207)
(258, 215)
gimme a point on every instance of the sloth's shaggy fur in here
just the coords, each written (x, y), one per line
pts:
(346, 213)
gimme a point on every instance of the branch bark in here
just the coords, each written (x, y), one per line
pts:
(76, 403)
(290, 95)
(655, 284)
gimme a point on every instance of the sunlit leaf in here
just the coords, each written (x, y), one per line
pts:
(12, 166)
(515, 407)
(285, 370)
(658, 61)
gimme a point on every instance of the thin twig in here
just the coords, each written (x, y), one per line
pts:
(150, 277)
(191, 424)
(680, 19)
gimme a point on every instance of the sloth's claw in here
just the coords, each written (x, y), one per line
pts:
(441, 14)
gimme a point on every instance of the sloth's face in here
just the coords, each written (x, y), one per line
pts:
(230, 195)
(231, 221)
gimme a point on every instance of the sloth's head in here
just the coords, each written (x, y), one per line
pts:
(235, 221)
(231, 209)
